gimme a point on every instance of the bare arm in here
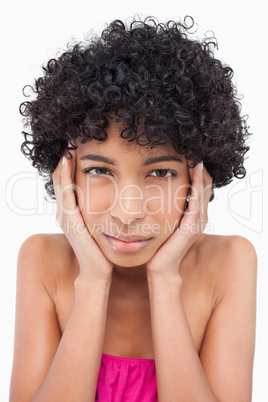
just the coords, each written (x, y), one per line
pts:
(74, 371)
(227, 353)
(180, 375)
(48, 367)
(224, 370)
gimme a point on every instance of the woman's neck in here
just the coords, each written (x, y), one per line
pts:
(130, 278)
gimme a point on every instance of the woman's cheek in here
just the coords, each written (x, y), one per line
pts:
(172, 211)
(166, 200)
(96, 196)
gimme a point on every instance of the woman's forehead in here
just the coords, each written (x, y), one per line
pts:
(117, 147)
(115, 144)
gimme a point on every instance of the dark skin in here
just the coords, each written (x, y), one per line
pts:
(186, 296)
(133, 298)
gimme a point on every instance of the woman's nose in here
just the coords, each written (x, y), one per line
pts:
(129, 205)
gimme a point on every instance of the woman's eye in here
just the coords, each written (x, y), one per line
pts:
(157, 173)
(163, 173)
(96, 171)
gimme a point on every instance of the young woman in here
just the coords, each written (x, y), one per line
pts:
(133, 302)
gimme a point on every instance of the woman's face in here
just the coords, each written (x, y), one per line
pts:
(124, 189)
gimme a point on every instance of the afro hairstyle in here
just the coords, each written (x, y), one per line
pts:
(163, 86)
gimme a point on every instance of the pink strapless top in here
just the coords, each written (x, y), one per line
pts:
(124, 379)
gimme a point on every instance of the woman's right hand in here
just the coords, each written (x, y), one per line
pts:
(92, 262)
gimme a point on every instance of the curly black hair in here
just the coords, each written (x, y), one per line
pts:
(163, 86)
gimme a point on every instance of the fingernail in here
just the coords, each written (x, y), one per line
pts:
(202, 165)
(63, 160)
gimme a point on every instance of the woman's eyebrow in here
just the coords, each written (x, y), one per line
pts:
(93, 157)
(162, 158)
(150, 161)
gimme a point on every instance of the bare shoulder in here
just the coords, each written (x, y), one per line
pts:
(46, 256)
(42, 246)
(45, 263)
(44, 242)
(225, 247)
(227, 350)
(231, 260)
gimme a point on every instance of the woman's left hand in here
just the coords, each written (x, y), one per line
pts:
(169, 256)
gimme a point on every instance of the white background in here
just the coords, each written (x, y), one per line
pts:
(32, 32)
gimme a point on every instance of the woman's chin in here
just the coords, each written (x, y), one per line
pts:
(128, 260)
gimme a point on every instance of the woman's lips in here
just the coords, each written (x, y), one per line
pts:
(127, 244)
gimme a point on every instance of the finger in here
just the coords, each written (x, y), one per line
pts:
(73, 220)
(205, 197)
(57, 189)
(199, 198)
(72, 156)
(68, 197)
(56, 177)
(202, 192)
(196, 176)
(202, 218)
(207, 185)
